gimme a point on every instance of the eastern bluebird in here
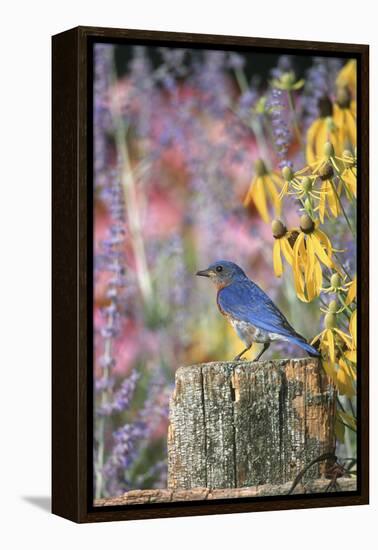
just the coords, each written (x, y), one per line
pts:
(250, 311)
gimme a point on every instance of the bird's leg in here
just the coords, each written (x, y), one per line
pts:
(266, 345)
(238, 357)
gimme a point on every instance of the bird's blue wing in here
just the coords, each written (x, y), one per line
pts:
(245, 301)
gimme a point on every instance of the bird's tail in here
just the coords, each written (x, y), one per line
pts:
(300, 341)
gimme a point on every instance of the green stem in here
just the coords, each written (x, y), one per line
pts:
(131, 203)
(342, 208)
(351, 407)
(254, 123)
(241, 80)
(344, 304)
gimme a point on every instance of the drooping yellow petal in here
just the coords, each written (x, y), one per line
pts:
(321, 137)
(311, 152)
(311, 287)
(348, 76)
(324, 241)
(322, 200)
(277, 261)
(333, 200)
(273, 194)
(351, 355)
(248, 198)
(310, 266)
(349, 179)
(297, 269)
(351, 292)
(331, 344)
(316, 338)
(344, 381)
(259, 198)
(344, 337)
(330, 369)
(319, 250)
(287, 251)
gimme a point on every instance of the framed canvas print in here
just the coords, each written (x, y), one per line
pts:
(210, 274)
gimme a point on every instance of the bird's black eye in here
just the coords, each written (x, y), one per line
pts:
(219, 268)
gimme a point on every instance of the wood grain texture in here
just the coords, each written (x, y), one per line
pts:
(249, 423)
(178, 495)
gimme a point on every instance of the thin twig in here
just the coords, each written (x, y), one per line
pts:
(325, 456)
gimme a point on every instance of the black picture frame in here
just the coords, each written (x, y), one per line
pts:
(72, 241)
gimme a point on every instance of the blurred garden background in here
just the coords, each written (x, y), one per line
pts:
(195, 153)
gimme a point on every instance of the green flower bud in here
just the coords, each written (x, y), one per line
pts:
(287, 173)
(260, 168)
(306, 224)
(329, 151)
(278, 229)
(287, 80)
(261, 106)
(333, 306)
(326, 172)
(330, 320)
(335, 280)
(307, 184)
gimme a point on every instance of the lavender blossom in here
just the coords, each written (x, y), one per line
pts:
(124, 453)
(277, 105)
(121, 399)
(320, 79)
(103, 56)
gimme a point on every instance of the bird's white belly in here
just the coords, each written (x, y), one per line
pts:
(250, 334)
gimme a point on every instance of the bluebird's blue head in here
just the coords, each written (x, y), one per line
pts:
(222, 273)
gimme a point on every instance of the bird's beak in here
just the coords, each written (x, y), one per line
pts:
(203, 273)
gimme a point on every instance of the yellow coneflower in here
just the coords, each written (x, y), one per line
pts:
(345, 117)
(292, 180)
(265, 185)
(330, 166)
(282, 246)
(348, 77)
(337, 349)
(323, 129)
(311, 249)
(329, 201)
(331, 333)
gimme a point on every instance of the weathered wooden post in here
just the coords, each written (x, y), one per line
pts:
(249, 423)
